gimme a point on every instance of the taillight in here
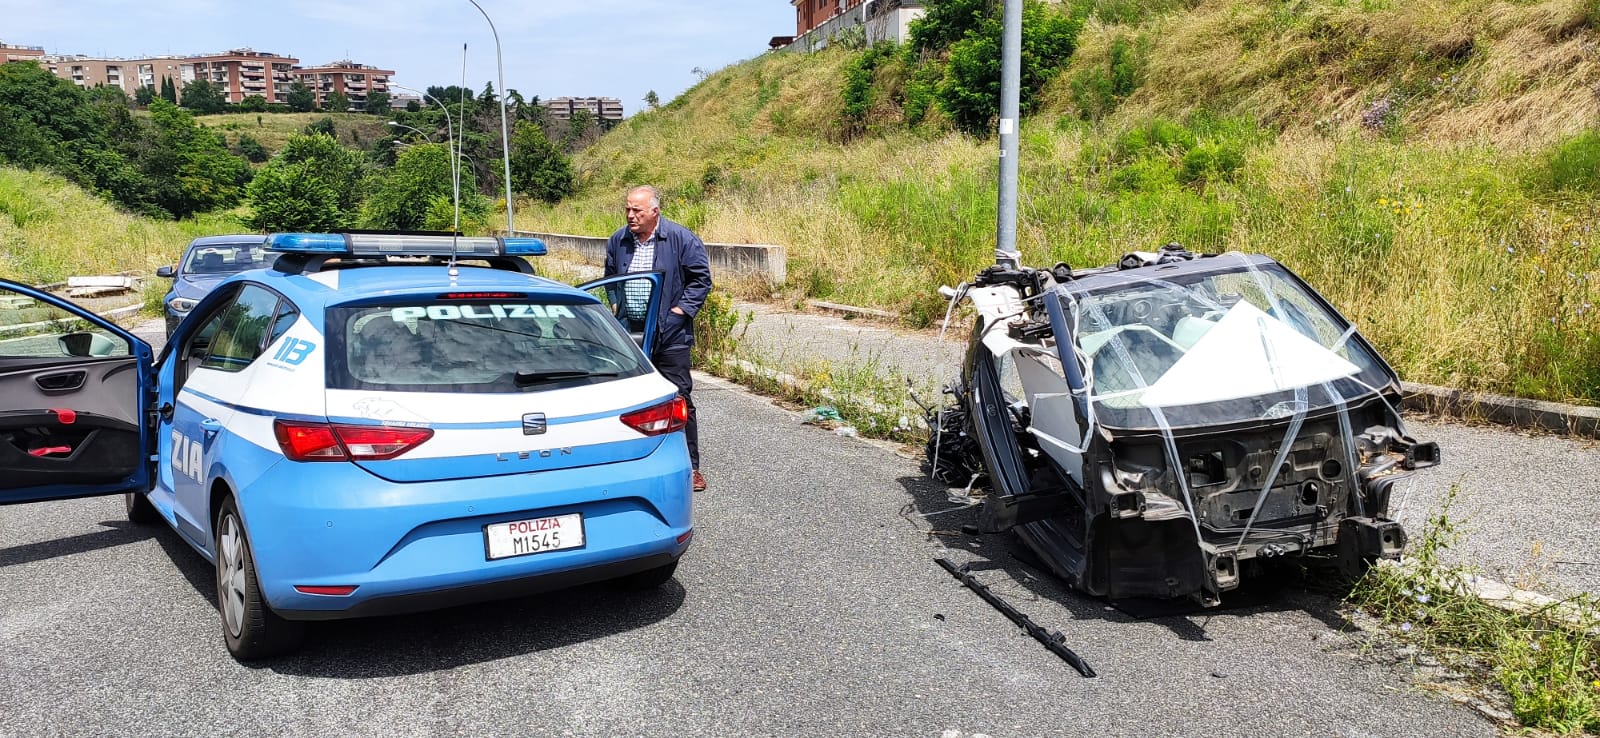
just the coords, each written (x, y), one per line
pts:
(658, 419)
(323, 442)
(308, 441)
(377, 442)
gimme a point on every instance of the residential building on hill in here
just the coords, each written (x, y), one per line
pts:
(817, 22)
(15, 52)
(239, 73)
(355, 81)
(603, 108)
(242, 73)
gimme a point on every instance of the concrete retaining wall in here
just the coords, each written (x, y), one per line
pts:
(732, 259)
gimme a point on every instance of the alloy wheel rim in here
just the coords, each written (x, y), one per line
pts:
(230, 584)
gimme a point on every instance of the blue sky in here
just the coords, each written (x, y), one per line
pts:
(611, 48)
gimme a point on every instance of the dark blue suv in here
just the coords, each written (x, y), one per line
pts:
(208, 261)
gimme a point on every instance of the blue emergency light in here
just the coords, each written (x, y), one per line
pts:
(402, 244)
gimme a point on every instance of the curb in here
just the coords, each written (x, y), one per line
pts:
(1577, 420)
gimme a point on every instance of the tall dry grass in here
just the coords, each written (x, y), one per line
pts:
(51, 229)
(1404, 157)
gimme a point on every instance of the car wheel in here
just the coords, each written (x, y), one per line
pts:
(249, 626)
(649, 578)
(139, 508)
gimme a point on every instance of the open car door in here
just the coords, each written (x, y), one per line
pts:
(74, 401)
(634, 300)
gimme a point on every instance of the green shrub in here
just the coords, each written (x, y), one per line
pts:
(1097, 90)
(858, 75)
(1573, 164)
(251, 149)
(538, 168)
(1210, 162)
(1155, 137)
(324, 126)
(970, 92)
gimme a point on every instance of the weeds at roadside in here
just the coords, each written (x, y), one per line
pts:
(1543, 654)
(871, 399)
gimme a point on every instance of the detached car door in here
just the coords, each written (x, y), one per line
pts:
(74, 401)
(634, 299)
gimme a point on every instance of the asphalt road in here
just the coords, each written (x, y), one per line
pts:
(808, 605)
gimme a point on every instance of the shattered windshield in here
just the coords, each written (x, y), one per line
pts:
(1216, 347)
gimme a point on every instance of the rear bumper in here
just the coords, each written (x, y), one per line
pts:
(415, 546)
(465, 595)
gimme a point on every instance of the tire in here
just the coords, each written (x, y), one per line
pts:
(249, 626)
(648, 579)
(139, 508)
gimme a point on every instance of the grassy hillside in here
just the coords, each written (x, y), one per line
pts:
(1425, 164)
(273, 129)
(51, 229)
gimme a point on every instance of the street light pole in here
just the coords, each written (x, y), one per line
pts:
(505, 137)
(1005, 248)
(418, 131)
(450, 130)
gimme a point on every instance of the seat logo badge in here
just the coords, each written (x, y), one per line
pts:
(533, 424)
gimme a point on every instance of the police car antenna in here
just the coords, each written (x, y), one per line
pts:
(455, 168)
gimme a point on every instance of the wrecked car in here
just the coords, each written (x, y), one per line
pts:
(1162, 427)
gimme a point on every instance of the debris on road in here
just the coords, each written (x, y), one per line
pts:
(101, 286)
(1052, 639)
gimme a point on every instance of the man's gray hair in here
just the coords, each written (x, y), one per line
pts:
(655, 195)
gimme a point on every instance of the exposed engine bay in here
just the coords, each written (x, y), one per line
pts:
(1157, 427)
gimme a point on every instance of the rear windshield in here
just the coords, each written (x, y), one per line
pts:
(492, 346)
(227, 258)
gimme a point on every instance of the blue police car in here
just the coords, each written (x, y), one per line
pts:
(378, 424)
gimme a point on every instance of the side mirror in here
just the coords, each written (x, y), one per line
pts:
(167, 271)
(84, 344)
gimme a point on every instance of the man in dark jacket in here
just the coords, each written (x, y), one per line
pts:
(653, 243)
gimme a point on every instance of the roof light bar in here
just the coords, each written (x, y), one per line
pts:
(398, 244)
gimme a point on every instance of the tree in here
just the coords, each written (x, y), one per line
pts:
(203, 98)
(343, 168)
(291, 197)
(970, 92)
(412, 106)
(337, 102)
(144, 95)
(324, 126)
(300, 98)
(108, 95)
(252, 104)
(582, 131)
(652, 99)
(538, 168)
(487, 97)
(168, 91)
(377, 103)
(188, 170)
(251, 149)
(402, 198)
(312, 184)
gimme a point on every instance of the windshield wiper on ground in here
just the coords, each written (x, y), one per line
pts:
(524, 379)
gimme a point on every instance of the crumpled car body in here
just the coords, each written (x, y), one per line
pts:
(1161, 427)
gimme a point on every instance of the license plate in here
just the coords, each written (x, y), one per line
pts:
(532, 536)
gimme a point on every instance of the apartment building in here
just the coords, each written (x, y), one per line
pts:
(239, 73)
(818, 21)
(603, 108)
(242, 73)
(16, 52)
(355, 81)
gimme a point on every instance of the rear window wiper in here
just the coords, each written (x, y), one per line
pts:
(524, 379)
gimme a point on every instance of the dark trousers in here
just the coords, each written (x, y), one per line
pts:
(674, 365)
